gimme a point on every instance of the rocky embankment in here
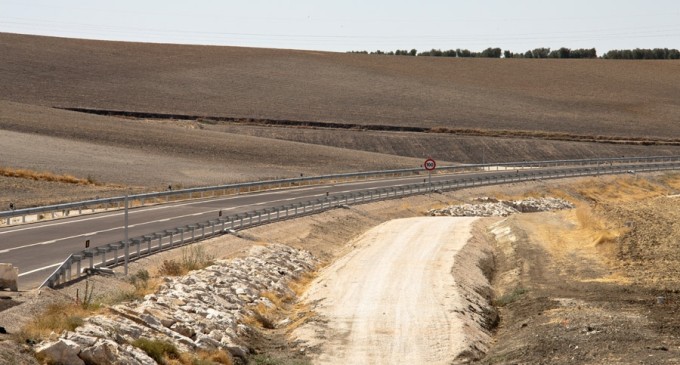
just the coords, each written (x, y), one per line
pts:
(205, 310)
(489, 207)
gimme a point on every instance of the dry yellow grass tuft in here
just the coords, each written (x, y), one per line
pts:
(200, 358)
(621, 190)
(266, 315)
(56, 319)
(299, 285)
(45, 176)
(672, 181)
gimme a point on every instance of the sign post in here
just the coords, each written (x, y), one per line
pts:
(430, 165)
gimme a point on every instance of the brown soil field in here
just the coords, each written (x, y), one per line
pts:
(585, 97)
(480, 110)
(135, 155)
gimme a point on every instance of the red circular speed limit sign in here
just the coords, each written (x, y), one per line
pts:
(430, 164)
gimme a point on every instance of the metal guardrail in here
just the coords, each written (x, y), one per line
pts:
(117, 202)
(148, 244)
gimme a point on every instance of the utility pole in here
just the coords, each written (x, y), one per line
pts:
(127, 243)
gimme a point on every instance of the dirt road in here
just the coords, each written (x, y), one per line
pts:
(392, 300)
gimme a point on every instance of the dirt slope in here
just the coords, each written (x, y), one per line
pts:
(134, 154)
(637, 98)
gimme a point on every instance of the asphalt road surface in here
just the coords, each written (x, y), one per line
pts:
(38, 248)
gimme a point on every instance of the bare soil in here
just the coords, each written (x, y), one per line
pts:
(124, 155)
(592, 97)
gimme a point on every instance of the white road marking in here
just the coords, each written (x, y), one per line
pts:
(40, 269)
(174, 205)
(89, 234)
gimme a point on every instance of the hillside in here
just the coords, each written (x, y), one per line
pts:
(592, 97)
(266, 113)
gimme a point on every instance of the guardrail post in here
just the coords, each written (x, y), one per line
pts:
(138, 242)
(148, 245)
(68, 270)
(181, 235)
(77, 258)
(91, 259)
(103, 256)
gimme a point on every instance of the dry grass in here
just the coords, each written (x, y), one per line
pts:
(55, 319)
(194, 257)
(300, 285)
(672, 181)
(621, 190)
(166, 354)
(266, 316)
(45, 176)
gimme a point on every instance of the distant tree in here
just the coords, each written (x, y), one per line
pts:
(660, 53)
(463, 53)
(528, 54)
(413, 52)
(583, 53)
(508, 54)
(491, 53)
(449, 53)
(642, 54)
(540, 53)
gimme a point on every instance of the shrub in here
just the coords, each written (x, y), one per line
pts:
(195, 257)
(140, 280)
(171, 268)
(57, 318)
(157, 349)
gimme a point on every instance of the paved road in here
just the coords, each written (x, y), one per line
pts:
(393, 299)
(39, 247)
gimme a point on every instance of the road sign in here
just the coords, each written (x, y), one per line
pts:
(430, 164)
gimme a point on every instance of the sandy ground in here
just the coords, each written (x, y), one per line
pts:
(392, 299)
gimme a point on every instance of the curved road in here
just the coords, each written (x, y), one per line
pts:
(38, 248)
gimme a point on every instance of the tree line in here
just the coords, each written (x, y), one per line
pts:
(625, 54)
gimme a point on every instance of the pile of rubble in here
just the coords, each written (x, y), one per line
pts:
(203, 310)
(489, 207)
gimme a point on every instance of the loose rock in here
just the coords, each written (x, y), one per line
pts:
(493, 208)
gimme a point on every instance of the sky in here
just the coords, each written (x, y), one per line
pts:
(350, 25)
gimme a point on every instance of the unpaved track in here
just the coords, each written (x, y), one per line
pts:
(392, 299)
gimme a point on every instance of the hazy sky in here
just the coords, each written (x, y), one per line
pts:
(357, 25)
